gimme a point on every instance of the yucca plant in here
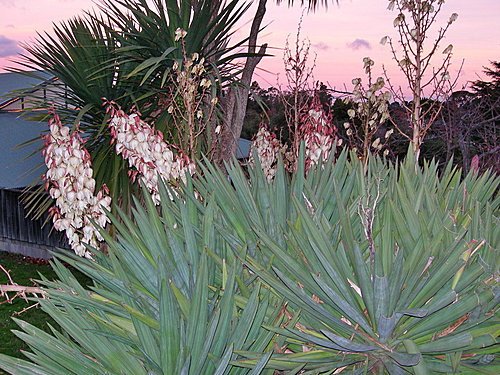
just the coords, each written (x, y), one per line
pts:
(391, 269)
(79, 56)
(351, 268)
(165, 300)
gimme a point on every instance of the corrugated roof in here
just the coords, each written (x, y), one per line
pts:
(9, 82)
(243, 150)
(17, 168)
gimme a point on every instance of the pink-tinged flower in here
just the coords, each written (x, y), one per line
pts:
(318, 133)
(69, 181)
(268, 148)
(180, 34)
(146, 151)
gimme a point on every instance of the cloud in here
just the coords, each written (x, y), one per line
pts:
(8, 47)
(8, 3)
(359, 44)
(321, 46)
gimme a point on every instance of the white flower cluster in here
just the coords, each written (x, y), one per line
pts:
(146, 151)
(318, 132)
(69, 181)
(372, 103)
(268, 148)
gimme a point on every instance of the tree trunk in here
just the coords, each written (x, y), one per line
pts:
(234, 104)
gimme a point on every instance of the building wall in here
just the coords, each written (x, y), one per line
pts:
(20, 234)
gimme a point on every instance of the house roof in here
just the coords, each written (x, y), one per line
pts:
(21, 162)
(10, 82)
(243, 150)
(20, 165)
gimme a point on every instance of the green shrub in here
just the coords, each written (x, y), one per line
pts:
(377, 269)
(160, 303)
(390, 269)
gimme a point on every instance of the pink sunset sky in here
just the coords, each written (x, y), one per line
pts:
(341, 36)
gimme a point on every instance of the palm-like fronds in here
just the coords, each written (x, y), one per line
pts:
(311, 4)
(147, 35)
(79, 56)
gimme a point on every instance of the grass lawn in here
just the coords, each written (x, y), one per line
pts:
(23, 271)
